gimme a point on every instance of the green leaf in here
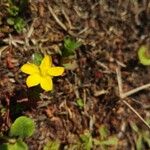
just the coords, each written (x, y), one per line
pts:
(19, 145)
(52, 145)
(19, 24)
(103, 131)
(144, 55)
(22, 127)
(139, 143)
(86, 140)
(70, 46)
(134, 127)
(148, 120)
(37, 58)
(13, 10)
(80, 103)
(146, 137)
(97, 142)
(147, 140)
(111, 141)
(11, 21)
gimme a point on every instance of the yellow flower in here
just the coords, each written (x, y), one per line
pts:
(42, 74)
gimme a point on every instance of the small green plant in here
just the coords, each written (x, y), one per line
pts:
(14, 12)
(105, 140)
(22, 127)
(144, 55)
(142, 138)
(68, 52)
(70, 45)
(37, 58)
(18, 23)
(86, 141)
(52, 145)
(80, 103)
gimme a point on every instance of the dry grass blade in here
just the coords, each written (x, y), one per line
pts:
(3, 49)
(131, 92)
(131, 108)
(136, 90)
(119, 82)
(125, 95)
(56, 18)
(60, 23)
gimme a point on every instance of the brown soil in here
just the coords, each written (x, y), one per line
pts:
(110, 33)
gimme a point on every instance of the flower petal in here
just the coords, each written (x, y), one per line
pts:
(30, 68)
(46, 83)
(33, 80)
(46, 63)
(55, 71)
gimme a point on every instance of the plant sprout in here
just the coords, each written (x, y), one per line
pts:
(23, 127)
(144, 55)
(70, 45)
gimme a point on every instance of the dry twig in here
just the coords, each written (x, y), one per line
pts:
(62, 25)
(67, 18)
(129, 93)
(56, 18)
(133, 110)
